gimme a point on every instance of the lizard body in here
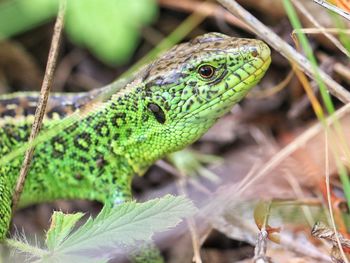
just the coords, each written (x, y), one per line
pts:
(170, 105)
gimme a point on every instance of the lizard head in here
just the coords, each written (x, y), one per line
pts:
(195, 83)
(188, 88)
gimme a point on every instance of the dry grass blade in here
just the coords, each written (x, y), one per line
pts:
(288, 150)
(335, 41)
(337, 241)
(313, 30)
(308, 90)
(44, 94)
(196, 244)
(342, 70)
(285, 49)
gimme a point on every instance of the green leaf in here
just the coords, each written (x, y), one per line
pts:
(97, 240)
(61, 227)
(108, 28)
(18, 16)
(126, 224)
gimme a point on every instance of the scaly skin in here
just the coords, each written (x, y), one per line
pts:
(168, 107)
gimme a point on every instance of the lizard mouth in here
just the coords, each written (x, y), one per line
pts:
(223, 102)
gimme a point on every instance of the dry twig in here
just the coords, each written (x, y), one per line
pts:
(40, 110)
(320, 230)
(261, 247)
(286, 50)
(261, 244)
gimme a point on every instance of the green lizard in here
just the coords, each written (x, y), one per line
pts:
(169, 105)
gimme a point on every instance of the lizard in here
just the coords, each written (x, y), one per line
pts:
(170, 104)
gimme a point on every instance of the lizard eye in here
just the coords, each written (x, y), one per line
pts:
(157, 112)
(206, 71)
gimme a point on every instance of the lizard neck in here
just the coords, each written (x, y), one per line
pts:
(125, 117)
(137, 133)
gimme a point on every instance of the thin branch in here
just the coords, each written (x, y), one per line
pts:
(285, 49)
(44, 94)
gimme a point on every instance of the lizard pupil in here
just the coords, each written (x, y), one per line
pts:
(157, 112)
(206, 71)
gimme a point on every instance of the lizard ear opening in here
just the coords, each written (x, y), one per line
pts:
(157, 112)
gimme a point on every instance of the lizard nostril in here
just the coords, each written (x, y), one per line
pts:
(254, 53)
